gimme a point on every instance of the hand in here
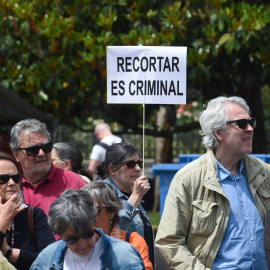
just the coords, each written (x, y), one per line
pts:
(141, 186)
(9, 210)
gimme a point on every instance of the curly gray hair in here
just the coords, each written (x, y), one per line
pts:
(29, 125)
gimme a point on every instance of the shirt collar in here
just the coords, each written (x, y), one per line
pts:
(225, 174)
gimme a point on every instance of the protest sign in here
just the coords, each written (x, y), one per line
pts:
(146, 75)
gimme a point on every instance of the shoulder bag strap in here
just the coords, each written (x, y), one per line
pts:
(104, 145)
(31, 221)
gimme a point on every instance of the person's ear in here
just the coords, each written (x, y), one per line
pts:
(16, 155)
(68, 165)
(218, 135)
(111, 169)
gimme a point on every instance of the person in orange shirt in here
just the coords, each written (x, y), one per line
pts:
(108, 205)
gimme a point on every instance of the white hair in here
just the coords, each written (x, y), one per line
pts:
(214, 118)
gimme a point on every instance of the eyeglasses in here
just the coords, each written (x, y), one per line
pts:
(17, 178)
(75, 239)
(34, 150)
(132, 163)
(242, 123)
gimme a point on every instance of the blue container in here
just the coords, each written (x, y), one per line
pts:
(260, 156)
(166, 172)
(186, 158)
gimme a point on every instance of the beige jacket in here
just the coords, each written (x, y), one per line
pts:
(197, 210)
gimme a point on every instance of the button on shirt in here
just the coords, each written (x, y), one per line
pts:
(242, 245)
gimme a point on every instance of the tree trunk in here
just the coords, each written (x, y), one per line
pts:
(251, 92)
(165, 120)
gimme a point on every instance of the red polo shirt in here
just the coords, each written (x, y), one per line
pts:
(51, 188)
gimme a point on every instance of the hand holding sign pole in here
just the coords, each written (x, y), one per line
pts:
(146, 75)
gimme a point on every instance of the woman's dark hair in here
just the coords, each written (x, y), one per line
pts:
(69, 151)
(117, 154)
(5, 156)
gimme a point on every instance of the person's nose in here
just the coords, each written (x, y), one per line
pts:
(11, 182)
(41, 153)
(137, 167)
(249, 127)
(81, 242)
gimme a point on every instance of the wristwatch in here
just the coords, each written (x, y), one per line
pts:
(8, 252)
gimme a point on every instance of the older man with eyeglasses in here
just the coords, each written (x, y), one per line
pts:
(216, 206)
(43, 182)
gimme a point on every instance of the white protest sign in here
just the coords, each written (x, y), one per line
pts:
(146, 75)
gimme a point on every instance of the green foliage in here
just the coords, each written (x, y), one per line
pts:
(54, 52)
(155, 218)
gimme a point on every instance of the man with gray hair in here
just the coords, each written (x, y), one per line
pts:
(42, 183)
(216, 205)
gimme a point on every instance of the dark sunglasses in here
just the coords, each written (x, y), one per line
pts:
(132, 163)
(242, 123)
(75, 239)
(34, 150)
(17, 178)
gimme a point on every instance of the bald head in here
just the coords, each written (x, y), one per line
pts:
(102, 130)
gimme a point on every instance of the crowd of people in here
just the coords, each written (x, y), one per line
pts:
(55, 214)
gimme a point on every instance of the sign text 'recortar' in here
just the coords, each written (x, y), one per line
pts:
(145, 64)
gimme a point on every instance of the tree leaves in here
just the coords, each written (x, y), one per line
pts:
(224, 38)
(54, 52)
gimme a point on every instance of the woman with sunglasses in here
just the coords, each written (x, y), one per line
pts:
(73, 216)
(122, 169)
(109, 205)
(20, 241)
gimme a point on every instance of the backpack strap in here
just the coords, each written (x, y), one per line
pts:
(127, 236)
(31, 221)
(104, 145)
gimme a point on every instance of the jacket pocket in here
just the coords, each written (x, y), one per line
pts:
(203, 218)
(264, 193)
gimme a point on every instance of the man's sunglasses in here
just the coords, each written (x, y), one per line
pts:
(75, 239)
(17, 178)
(34, 150)
(242, 123)
(132, 163)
